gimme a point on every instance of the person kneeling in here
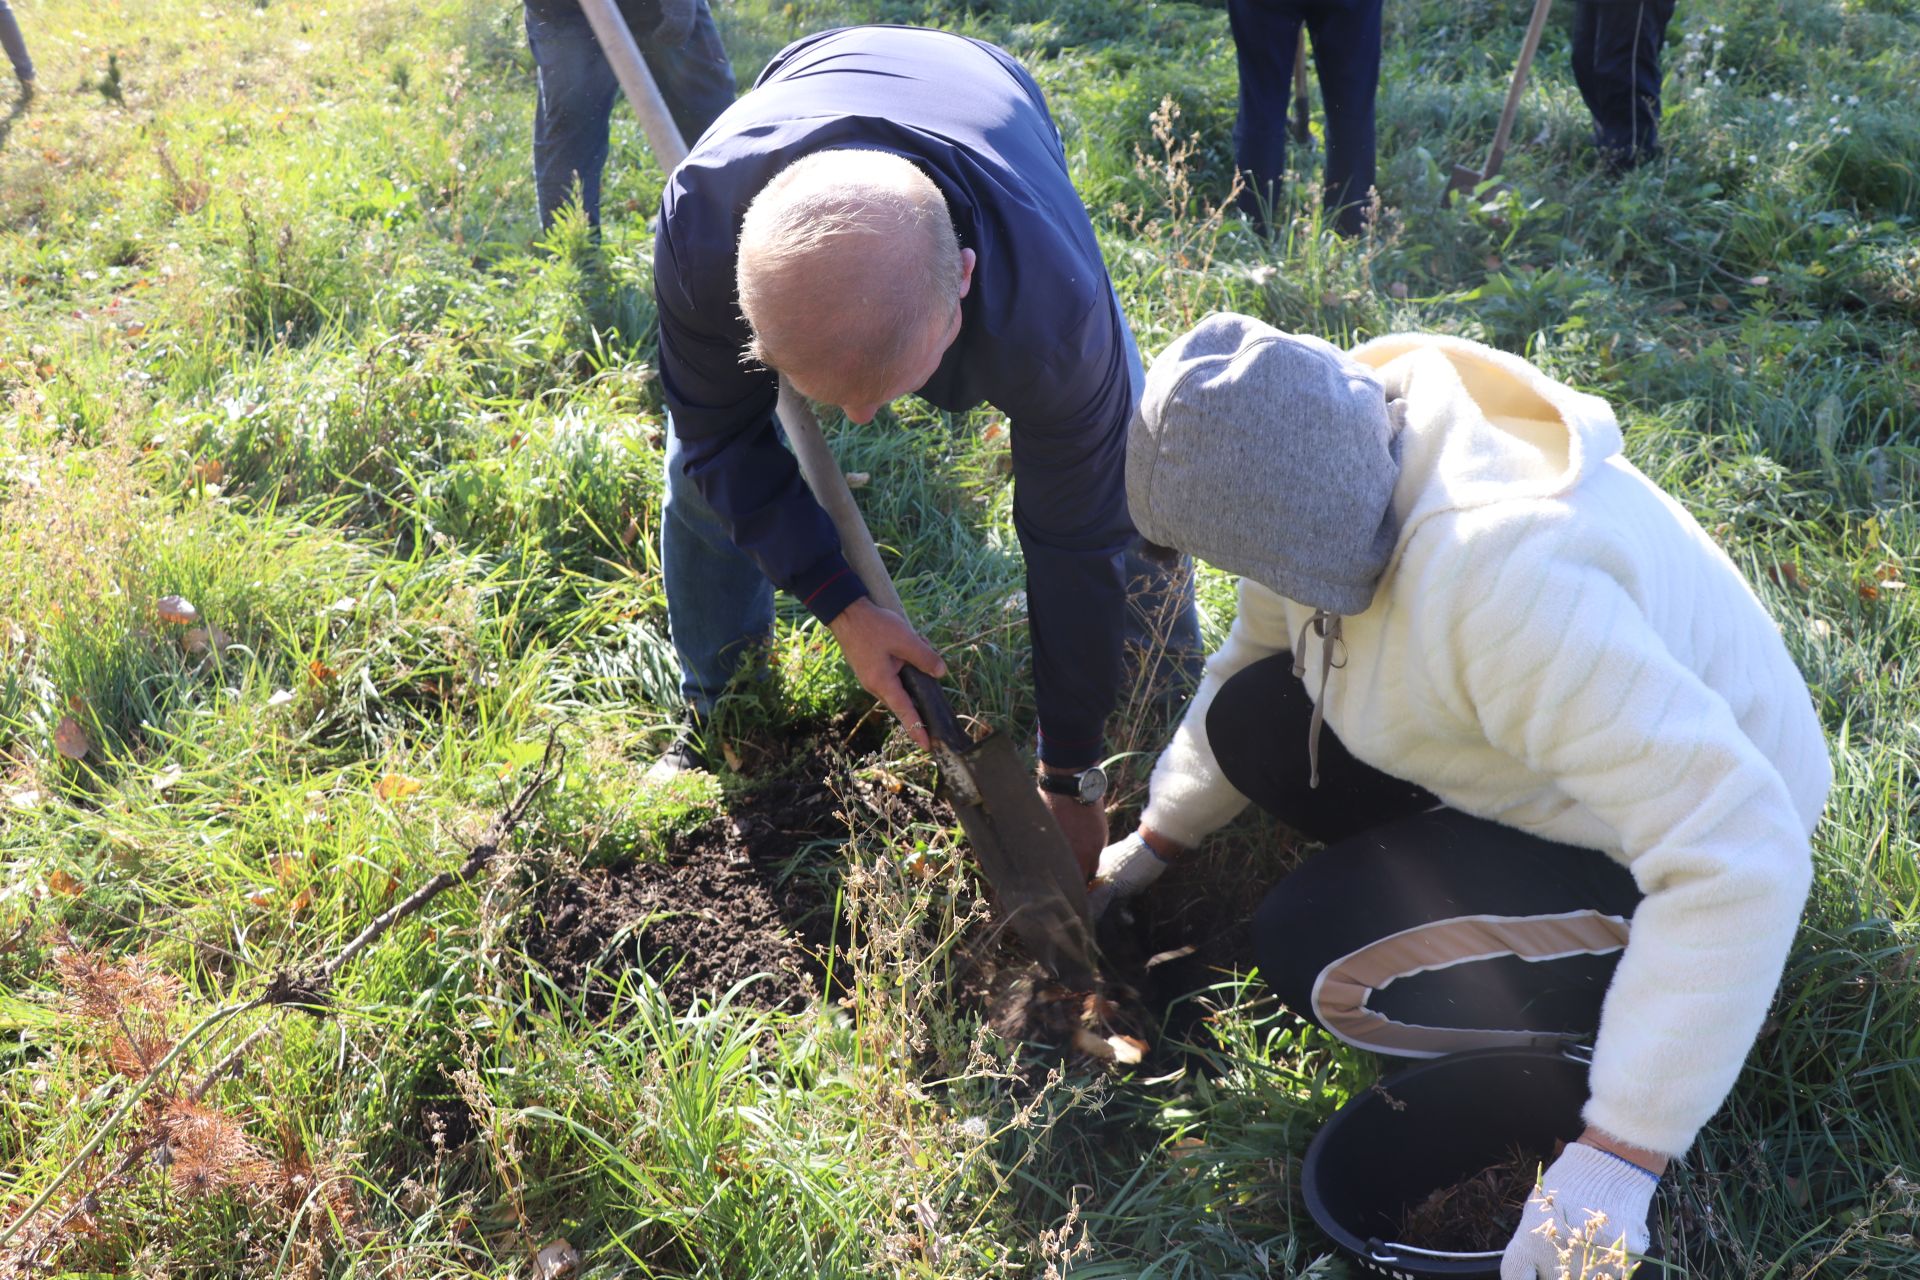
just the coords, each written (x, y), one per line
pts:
(1563, 766)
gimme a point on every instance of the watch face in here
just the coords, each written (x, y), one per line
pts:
(1093, 784)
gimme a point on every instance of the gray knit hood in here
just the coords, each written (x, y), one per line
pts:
(1270, 455)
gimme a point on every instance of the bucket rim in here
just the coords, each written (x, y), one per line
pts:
(1375, 1252)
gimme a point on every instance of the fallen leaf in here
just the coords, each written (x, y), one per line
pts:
(396, 786)
(631, 534)
(1127, 1050)
(1671, 307)
(280, 698)
(60, 882)
(70, 740)
(203, 639)
(557, 1261)
(262, 898)
(1869, 592)
(732, 757)
(301, 901)
(859, 479)
(1092, 1045)
(345, 604)
(165, 779)
(177, 609)
(1758, 282)
(210, 471)
(321, 673)
(25, 798)
(1718, 303)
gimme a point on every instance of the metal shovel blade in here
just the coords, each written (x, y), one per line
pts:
(1027, 861)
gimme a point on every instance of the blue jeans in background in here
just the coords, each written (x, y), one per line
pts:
(720, 606)
(1346, 56)
(15, 45)
(578, 89)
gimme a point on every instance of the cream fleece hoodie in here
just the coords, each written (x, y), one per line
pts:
(1557, 646)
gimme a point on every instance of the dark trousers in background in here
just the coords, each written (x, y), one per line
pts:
(578, 90)
(1418, 930)
(15, 44)
(1616, 63)
(1346, 56)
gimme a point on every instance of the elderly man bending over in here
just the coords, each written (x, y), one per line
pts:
(1563, 764)
(888, 212)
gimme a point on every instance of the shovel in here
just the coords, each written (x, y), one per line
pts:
(1466, 180)
(1020, 848)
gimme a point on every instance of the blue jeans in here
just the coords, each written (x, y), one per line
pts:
(720, 606)
(1346, 55)
(578, 89)
(14, 44)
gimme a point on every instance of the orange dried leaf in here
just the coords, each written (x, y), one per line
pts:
(177, 609)
(321, 673)
(396, 786)
(301, 901)
(70, 740)
(61, 882)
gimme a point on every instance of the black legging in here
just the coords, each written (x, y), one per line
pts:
(1418, 930)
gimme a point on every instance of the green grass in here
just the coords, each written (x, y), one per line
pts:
(279, 335)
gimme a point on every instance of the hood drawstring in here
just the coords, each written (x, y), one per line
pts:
(1325, 624)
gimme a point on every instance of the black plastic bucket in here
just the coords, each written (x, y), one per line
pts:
(1428, 1127)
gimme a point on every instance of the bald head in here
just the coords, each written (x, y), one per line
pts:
(849, 270)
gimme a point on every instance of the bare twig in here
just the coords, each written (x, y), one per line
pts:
(306, 989)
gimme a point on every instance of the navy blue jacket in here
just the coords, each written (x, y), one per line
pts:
(1041, 336)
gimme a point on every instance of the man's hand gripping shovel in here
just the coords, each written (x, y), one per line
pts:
(1020, 848)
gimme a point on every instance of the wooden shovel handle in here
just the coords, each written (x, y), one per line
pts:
(1528, 47)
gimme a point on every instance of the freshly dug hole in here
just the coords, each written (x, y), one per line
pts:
(749, 893)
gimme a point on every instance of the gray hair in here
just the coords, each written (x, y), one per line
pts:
(846, 258)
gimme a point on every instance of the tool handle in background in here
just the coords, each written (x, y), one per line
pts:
(1528, 47)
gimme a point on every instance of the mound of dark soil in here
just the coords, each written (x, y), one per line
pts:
(750, 893)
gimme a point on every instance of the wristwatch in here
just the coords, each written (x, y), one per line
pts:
(1086, 786)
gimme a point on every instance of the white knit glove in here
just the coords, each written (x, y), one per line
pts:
(1583, 1220)
(1126, 867)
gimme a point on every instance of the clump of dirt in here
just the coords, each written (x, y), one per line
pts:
(750, 893)
(1479, 1213)
(1024, 1006)
(1156, 951)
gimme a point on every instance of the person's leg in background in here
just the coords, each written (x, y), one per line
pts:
(1265, 35)
(571, 110)
(577, 88)
(719, 604)
(682, 49)
(16, 46)
(1616, 64)
(1418, 930)
(1346, 56)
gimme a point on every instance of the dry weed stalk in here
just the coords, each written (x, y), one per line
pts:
(204, 1149)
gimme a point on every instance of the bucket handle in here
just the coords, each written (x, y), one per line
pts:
(1375, 1245)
